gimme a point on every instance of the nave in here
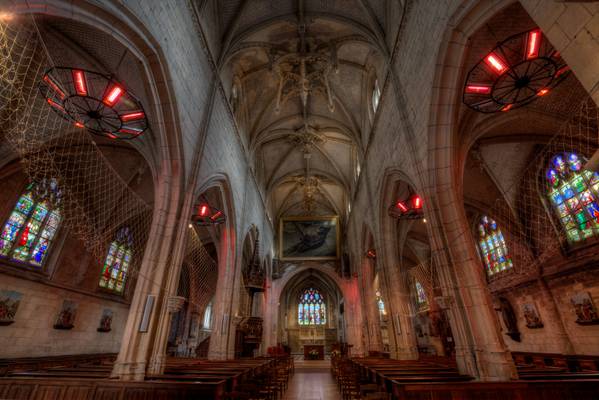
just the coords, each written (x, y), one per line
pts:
(224, 199)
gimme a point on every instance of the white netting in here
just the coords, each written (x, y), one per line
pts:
(96, 202)
(533, 228)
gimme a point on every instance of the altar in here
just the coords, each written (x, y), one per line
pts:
(311, 348)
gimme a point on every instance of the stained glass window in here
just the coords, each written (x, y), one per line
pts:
(492, 247)
(380, 303)
(118, 260)
(311, 308)
(208, 317)
(32, 225)
(420, 295)
(376, 96)
(573, 193)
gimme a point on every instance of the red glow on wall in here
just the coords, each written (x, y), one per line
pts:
(495, 63)
(80, 84)
(54, 87)
(478, 89)
(534, 42)
(113, 95)
(132, 116)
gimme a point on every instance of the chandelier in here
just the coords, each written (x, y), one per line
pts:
(409, 208)
(207, 215)
(519, 70)
(94, 101)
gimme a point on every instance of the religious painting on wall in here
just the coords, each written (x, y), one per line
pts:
(309, 238)
(105, 321)
(531, 316)
(586, 313)
(66, 316)
(9, 303)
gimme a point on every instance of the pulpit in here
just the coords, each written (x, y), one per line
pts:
(313, 352)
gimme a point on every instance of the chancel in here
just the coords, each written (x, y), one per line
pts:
(299, 199)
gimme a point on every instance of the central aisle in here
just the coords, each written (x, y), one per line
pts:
(312, 381)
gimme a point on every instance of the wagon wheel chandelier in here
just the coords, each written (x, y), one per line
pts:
(206, 215)
(519, 70)
(409, 208)
(94, 101)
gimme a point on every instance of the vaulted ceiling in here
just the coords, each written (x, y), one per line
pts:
(301, 77)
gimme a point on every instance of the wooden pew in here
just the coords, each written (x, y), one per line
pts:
(104, 389)
(517, 390)
(7, 365)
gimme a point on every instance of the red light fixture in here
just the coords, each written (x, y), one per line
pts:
(514, 73)
(495, 63)
(79, 81)
(409, 208)
(94, 101)
(207, 215)
(534, 43)
(479, 89)
(113, 95)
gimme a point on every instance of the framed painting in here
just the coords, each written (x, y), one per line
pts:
(586, 313)
(9, 303)
(106, 321)
(309, 238)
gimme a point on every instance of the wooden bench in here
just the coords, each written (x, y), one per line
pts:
(517, 390)
(104, 389)
(7, 365)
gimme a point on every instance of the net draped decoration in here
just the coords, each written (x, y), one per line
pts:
(311, 308)
(95, 201)
(492, 246)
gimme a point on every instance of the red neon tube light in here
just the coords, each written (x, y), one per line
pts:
(55, 104)
(80, 84)
(402, 206)
(132, 116)
(113, 95)
(215, 216)
(203, 210)
(54, 86)
(417, 202)
(534, 43)
(495, 62)
(478, 89)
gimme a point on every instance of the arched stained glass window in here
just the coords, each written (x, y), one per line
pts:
(492, 247)
(32, 225)
(573, 193)
(118, 260)
(376, 96)
(311, 308)
(380, 303)
(420, 295)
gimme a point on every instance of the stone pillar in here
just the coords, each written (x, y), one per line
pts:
(222, 307)
(136, 347)
(372, 320)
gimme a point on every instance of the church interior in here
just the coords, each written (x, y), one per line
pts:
(299, 199)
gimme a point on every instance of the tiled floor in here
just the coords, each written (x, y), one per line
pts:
(312, 381)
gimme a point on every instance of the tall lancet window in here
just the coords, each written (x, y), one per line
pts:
(492, 246)
(32, 225)
(573, 193)
(311, 308)
(376, 96)
(116, 265)
(420, 295)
